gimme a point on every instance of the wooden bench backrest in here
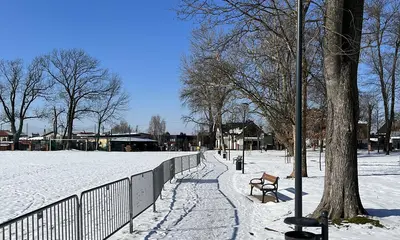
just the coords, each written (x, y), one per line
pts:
(269, 178)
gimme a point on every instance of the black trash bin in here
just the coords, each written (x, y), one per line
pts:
(296, 235)
(224, 155)
(238, 165)
(219, 152)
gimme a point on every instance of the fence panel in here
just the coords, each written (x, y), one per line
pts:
(55, 221)
(193, 161)
(168, 174)
(158, 180)
(142, 192)
(178, 164)
(185, 163)
(105, 209)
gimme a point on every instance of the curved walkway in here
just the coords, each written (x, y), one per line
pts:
(207, 213)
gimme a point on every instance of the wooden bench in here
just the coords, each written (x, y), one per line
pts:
(267, 183)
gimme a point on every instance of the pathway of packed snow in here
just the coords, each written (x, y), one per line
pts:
(207, 214)
(200, 205)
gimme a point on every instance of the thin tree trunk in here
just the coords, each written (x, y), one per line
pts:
(369, 127)
(393, 87)
(343, 22)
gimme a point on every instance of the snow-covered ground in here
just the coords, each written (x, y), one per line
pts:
(213, 203)
(30, 180)
(210, 203)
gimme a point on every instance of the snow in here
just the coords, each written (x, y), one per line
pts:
(213, 203)
(210, 202)
(30, 180)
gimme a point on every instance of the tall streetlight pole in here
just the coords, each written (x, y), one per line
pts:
(245, 105)
(298, 147)
(229, 148)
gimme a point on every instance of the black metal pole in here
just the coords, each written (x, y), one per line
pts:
(244, 119)
(229, 149)
(298, 183)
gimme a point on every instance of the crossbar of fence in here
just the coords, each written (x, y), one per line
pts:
(100, 211)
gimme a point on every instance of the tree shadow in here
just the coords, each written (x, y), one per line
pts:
(378, 174)
(375, 154)
(383, 212)
(194, 180)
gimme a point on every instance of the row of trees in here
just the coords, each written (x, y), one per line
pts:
(62, 86)
(245, 51)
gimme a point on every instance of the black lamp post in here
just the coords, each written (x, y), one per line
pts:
(244, 125)
(298, 183)
(229, 147)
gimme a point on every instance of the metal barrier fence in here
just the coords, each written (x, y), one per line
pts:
(100, 211)
(105, 209)
(59, 220)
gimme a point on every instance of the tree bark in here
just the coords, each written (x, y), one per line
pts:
(369, 127)
(343, 26)
(16, 135)
(70, 126)
(98, 133)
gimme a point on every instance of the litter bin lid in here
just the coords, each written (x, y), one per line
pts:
(299, 235)
(302, 221)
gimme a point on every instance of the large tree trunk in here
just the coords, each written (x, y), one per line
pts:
(343, 25)
(69, 127)
(98, 134)
(212, 137)
(16, 135)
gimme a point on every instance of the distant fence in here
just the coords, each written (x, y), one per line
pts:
(100, 211)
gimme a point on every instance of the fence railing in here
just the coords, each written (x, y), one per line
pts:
(100, 211)
(59, 220)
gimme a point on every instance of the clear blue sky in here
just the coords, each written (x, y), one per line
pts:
(142, 41)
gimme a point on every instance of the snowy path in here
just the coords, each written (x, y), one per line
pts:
(204, 204)
(207, 214)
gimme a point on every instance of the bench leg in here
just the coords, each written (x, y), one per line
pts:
(276, 196)
(251, 189)
(263, 197)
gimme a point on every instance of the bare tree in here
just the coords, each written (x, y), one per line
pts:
(368, 104)
(78, 80)
(157, 128)
(382, 40)
(109, 104)
(122, 127)
(18, 91)
(205, 90)
(342, 39)
(261, 50)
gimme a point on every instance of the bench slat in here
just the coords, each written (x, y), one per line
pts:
(269, 177)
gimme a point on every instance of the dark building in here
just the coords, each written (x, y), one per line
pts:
(182, 142)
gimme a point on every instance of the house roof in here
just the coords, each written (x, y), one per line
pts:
(395, 127)
(131, 139)
(5, 133)
(251, 128)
